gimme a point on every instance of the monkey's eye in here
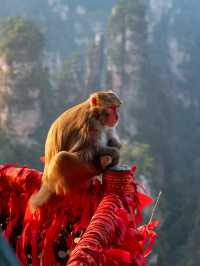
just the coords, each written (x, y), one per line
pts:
(115, 108)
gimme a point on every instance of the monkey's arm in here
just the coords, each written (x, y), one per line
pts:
(114, 142)
(84, 154)
(113, 139)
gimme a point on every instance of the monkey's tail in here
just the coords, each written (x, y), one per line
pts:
(41, 197)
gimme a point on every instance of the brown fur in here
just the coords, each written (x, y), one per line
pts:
(73, 151)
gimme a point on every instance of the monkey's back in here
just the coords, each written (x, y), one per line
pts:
(66, 131)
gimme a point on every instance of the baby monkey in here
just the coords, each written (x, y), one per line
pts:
(80, 144)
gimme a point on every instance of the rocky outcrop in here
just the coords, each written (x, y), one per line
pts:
(94, 66)
(126, 55)
(21, 77)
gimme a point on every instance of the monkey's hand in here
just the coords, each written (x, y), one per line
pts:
(111, 152)
(105, 161)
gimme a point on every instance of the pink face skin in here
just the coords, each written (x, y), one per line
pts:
(112, 116)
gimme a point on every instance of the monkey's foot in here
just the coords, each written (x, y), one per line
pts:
(39, 198)
(61, 188)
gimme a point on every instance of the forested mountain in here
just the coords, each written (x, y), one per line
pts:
(145, 50)
(68, 25)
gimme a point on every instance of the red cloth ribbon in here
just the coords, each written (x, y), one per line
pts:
(110, 214)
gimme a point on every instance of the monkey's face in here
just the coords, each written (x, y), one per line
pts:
(110, 116)
(107, 104)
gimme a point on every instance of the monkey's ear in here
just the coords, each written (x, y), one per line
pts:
(93, 100)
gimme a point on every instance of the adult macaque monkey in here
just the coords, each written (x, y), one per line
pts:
(81, 143)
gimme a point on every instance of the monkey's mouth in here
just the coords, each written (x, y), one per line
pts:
(116, 113)
(117, 116)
